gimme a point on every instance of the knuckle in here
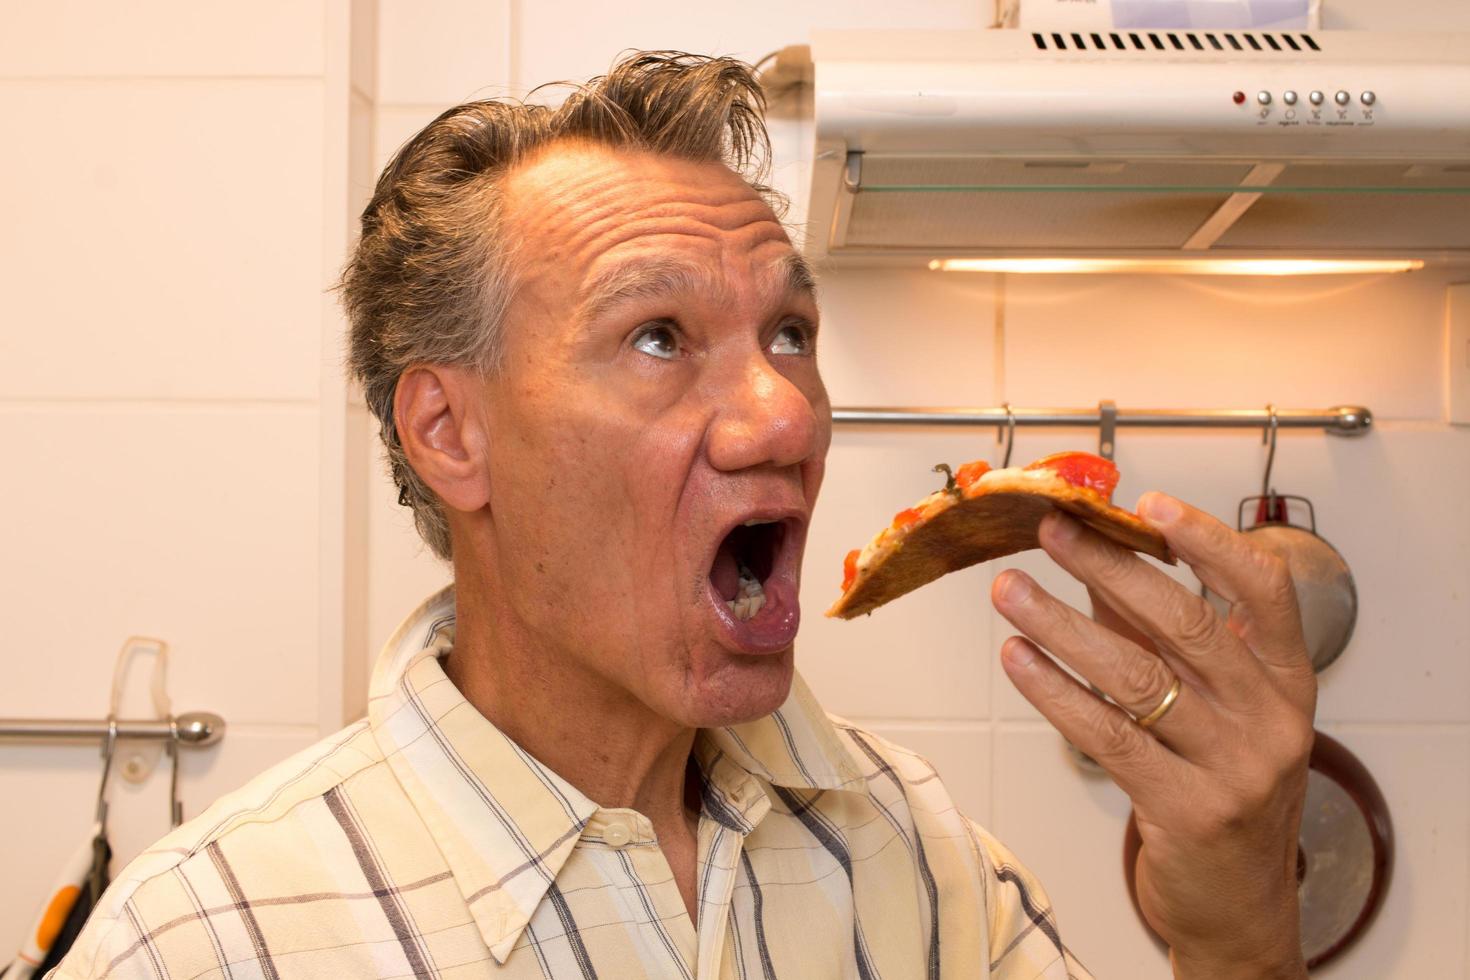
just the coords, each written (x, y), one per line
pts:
(1111, 562)
(1143, 680)
(1296, 743)
(1195, 621)
(1121, 741)
(1275, 577)
(1238, 804)
(1214, 818)
(1230, 814)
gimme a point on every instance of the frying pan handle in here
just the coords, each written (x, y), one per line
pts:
(1266, 506)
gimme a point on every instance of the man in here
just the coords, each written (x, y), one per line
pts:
(591, 347)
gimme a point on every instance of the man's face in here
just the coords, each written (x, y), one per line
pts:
(657, 431)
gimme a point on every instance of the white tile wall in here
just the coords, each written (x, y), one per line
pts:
(163, 362)
(547, 50)
(461, 52)
(1067, 827)
(175, 38)
(923, 658)
(910, 316)
(197, 526)
(394, 126)
(170, 247)
(1198, 342)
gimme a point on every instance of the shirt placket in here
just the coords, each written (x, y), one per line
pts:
(734, 804)
(668, 933)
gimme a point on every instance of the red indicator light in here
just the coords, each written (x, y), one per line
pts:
(1238, 98)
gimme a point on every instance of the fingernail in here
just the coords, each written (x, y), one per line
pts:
(1015, 587)
(1018, 653)
(1161, 510)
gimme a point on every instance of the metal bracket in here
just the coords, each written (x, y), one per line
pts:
(1107, 428)
(852, 172)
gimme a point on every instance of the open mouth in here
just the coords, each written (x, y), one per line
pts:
(743, 564)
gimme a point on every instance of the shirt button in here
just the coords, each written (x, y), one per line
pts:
(616, 834)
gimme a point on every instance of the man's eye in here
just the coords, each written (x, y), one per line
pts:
(791, 339)
(657, 341)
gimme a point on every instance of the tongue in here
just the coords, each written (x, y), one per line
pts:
(726, 572)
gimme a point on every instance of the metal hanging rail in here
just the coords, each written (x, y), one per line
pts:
(195, 729)
(1342, 420)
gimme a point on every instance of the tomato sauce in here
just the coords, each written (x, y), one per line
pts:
(849, 569)
(968, 475)
(1082, 470)
(906, 519)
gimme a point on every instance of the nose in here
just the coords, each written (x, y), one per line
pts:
(762, 419)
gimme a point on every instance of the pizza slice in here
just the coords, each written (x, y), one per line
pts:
(983, 514)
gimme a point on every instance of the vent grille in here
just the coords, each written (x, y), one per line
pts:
(1206, 41)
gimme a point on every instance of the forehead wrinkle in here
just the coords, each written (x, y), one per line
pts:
(787, 275)
(646, 279)
(582, 202)
(587, 224)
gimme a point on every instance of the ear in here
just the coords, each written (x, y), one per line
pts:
(439, 413)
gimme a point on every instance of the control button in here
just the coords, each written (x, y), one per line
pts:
(1289, 97)
(1239, 98)
(1264, 98)
(616, 834)
(1368, 98)
(1316, 98)
(1342, 98)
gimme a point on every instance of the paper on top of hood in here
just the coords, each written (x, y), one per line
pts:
(1289, 15)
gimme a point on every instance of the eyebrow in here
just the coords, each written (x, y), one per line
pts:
(670, 277)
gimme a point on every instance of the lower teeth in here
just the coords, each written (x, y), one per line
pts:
(749, 596)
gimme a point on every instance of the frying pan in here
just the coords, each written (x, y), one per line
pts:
(1344, 853)
(1325, 590)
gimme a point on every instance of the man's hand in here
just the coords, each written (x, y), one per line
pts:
(1219, 781)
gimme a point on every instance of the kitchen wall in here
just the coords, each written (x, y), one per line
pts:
(180, 460)
(186, 365)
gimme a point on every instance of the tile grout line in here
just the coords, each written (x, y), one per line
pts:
(192, 404)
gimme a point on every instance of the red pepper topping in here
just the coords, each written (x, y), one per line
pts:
(1082, 470)
(968, 475)
(849, 569)
(906, 519)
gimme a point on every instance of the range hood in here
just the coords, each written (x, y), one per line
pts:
(1185, 143)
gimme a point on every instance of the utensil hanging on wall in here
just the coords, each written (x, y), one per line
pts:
(1325, 590)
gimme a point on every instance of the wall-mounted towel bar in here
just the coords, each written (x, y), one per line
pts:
(1343, 420)
(195, 729)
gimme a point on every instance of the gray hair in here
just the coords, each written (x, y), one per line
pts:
(432, 276)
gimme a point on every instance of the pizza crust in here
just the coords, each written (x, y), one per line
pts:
(1000, 516)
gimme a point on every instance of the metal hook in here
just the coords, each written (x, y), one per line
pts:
(1268, 435)
(1009, 435)
(175, 807)
(109, 746)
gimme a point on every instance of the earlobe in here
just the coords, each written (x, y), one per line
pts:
(439, 414)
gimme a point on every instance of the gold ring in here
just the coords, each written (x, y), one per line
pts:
(1153, 717)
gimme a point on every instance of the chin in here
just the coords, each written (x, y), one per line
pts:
(740, 689)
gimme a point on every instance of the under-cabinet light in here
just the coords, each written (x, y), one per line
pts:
(1183, 266)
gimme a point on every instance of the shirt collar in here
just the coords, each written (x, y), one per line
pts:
(506, 823)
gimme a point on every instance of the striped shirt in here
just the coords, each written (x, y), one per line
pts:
(422, 841)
